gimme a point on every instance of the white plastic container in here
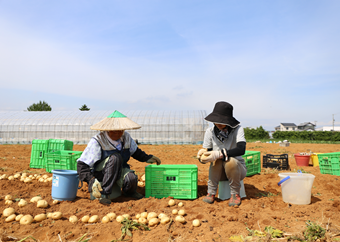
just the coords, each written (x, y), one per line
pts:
(224, 190)
(298, 188)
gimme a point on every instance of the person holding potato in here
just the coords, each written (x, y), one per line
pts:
(104, 161)
(223, 147)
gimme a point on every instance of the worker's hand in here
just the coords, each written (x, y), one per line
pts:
(96, 189)
(210, 156)
(154, 159)
(200, 153)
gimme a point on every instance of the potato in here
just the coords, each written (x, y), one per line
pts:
(16, 176)
(41, 179)
(175, 211)
(42, 204)
(85, 219)
(142, 220)
(8, 211)
(172, 202)
(55, 201)
(8, 202)
(119, 218)
(180, 218)
(180, 204)
(111, 216)
(105, 219)
(196, 223)
(126, 216)
(152, 215)
(11, 178)
(73, 219)
(56, 215)
(27, 219)
(94, 219)
(143, 177)
(36, 199)
(181, 212)
(28, 180)
(22, 203)
(161, 215)
(10, 218)
(49, 215)
(49, 179)
(40, 217)
(45, 176)
(165, 220)
(18, 217)
(8, 197)
(153, 222)
(144, 215)
(141, 184)
(24, 175)
(138, 216)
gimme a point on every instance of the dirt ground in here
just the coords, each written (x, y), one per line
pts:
(218, 221)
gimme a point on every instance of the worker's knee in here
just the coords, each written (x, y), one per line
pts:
(231, 163)
(130, 183)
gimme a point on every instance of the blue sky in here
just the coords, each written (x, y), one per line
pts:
(274, 61)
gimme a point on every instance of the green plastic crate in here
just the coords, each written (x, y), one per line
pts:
(59, 144)
(38, 152)
(177, 181)
(253, 162)
(62, 160)
(329, 163)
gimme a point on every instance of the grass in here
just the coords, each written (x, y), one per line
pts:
(128, 226)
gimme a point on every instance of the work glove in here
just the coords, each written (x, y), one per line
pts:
(154, 159)
(96, 189)
(212, 156)
(200, 153)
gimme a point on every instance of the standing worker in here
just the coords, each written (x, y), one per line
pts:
(223, 146)
(104, 161)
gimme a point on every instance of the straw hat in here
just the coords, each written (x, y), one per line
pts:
(115, 121)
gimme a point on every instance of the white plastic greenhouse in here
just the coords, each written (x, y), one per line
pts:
(158, 127)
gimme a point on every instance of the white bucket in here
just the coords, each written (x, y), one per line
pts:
(298, 188)
(224, 190)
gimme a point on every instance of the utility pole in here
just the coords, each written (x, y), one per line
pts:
(315, 125)
(333, 122)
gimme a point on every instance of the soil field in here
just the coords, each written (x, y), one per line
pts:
(262, 207)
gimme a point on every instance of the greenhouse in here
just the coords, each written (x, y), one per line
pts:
(158, 127)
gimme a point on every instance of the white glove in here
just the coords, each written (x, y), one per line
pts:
(154, 159)
(210, 156)
(200, 153)
(96, 189)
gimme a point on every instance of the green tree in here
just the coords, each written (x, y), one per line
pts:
(40, 106)
(84, 108)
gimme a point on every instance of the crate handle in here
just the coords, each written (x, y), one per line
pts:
(283, 180)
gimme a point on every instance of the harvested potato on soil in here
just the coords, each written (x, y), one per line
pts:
(180, 218)
(94, 219)
(18, 217)
(175, 211)
(111, 216)
(144, 215)
(152, 215)
(8, 211)
(8, 197)
(85, 219)
(153, 222)
(22, 203)
(172, 202)
(10, 218)
(56, 215)
(180, 204)
(73, 219)
(42, 204)
(196, 223)
(119, 218)
(8, 202)
(35, 199)
(143, 220)
(105, 219)
(165, 220)
(181, 212)
(27, 219)
(40, 217)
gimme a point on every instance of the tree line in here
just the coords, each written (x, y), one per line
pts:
(44, 106)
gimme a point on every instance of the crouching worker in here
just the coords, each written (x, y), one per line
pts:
(223, 147)
(104, 162)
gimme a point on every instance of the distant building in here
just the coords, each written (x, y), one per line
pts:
(328, 128)
(306, 126)
(286, 127)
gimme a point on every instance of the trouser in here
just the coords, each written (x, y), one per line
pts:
(110, 171)
(231, 170)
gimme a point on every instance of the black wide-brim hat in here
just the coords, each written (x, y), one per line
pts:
(223, 114)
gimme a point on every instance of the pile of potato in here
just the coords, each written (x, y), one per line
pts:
(151, 219)
(24, 177)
